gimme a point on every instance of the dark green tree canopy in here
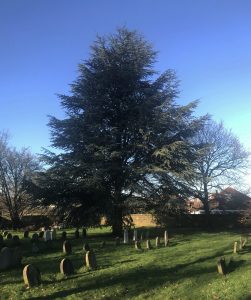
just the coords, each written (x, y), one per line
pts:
(123, 124)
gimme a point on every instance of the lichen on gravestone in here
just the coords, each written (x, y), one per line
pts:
(31, 276)
(66, 267)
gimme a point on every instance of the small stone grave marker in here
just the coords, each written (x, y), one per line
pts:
(148, 245)
(135, 235)
(26, 234)
(84, 233)
(64, 235)
(126, 239)
(66, 267)
(9, 236)
(137, 245)
(91, 260)
(166, 240)
(31, 276)
(221, 266)
(235, 247)
(34, 237)
(67, 249)
(157, 242)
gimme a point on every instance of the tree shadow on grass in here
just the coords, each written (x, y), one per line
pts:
(142, 279)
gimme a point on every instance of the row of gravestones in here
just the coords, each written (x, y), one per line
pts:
(222, 265)
(32, 275)
(148, 244)
(9, 241)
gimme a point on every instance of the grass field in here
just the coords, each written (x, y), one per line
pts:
(184, 270)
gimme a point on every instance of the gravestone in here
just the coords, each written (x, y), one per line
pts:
(141, 236)
(41, 234)
(26, 234)
(76, 234)
(66, 267)
(84, 233)
(53, 234)
(166, 240)
(117, 241)
(1, 239)
(16, 241)
(221, 266)
(5, 233)
(47, 235)
(9, 236)
(157, 242)
(235, 247)
(135, 235)
(31, 276)
(244, 242)
(137, 245)
(5, 258)
(67, 249)
(64, 235)
(90, 259)
(34, 237)
(126, 239)
(148, 245)
(86, 247)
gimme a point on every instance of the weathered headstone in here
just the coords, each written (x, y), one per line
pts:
(235, 247)
(148, 245)
(157, 242)
(31, 276)
(26, 234)
(91, 260)
(5, 233)
(126, 239)
(137, 245)
(67, 249)
(135, 235)
(66, 267)
(221, 266)
(76, 234)
(166, 240)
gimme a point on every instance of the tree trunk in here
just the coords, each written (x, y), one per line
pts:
(117, 221)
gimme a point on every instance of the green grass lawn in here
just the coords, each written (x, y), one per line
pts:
(184, 270)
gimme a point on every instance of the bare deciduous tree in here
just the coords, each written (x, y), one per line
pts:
(15, 167)
(222, 161)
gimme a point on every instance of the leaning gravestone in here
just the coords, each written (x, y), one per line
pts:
(66, 267)
(148, 245)
(67, 249)
(221, 266)
(31, 276)
(135, 235)
(166, 240)
(126, 239)
(5, 258)
(90, 259)
(26, 234)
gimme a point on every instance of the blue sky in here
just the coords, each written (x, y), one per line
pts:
(207, 42)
